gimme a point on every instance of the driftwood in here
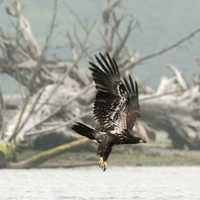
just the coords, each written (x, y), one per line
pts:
(174, 109)
(46, 155)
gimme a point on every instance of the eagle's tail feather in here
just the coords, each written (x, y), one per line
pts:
(84, 130)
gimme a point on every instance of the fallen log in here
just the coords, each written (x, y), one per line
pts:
(46, 155)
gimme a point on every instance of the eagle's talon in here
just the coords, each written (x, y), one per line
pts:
(103, 164)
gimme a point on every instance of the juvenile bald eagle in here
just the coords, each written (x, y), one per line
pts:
(116, 108)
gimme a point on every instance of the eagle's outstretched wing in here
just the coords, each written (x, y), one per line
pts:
(106, 74)
(115, 98)
(133, 107)
(111, 93)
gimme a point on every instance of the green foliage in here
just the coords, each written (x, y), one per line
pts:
(8, 150)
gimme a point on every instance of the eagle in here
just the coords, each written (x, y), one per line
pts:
(116, 108)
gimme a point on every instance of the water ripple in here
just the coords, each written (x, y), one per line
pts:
(127, 183)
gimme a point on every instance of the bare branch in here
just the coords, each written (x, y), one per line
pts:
(162, 51)
(179, 76)
(123, 40)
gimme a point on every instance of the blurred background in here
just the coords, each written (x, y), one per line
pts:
(46, 85)
(159, 24)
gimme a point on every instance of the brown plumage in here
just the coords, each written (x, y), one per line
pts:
(116, 108)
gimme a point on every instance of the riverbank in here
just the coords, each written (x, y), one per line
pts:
(138, 157)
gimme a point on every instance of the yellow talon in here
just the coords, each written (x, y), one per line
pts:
(103, 164)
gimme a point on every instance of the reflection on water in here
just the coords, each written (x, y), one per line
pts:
(145, 183)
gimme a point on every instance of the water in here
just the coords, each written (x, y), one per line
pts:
(121, 183)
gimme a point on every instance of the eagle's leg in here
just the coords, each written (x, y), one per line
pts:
(103, 164)
(104, 152)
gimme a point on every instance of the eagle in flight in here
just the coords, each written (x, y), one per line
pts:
(116, 108)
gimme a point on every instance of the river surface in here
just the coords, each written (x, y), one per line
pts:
(123, 183)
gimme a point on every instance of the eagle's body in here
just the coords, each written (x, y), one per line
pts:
(116, 108)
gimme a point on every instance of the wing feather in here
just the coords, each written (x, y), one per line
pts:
(116, 104)
(106, 109)
(105, 74)
(133, 101)
(111, 93)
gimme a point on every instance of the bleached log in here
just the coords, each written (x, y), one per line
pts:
(179, 77)
(179, 122)
(167, 113)
(40, 110)
(166, 85)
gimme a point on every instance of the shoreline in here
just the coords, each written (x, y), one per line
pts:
(158, 157)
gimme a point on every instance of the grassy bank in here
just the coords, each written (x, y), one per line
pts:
(150, 157)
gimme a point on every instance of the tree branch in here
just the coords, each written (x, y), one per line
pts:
(162, 51)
